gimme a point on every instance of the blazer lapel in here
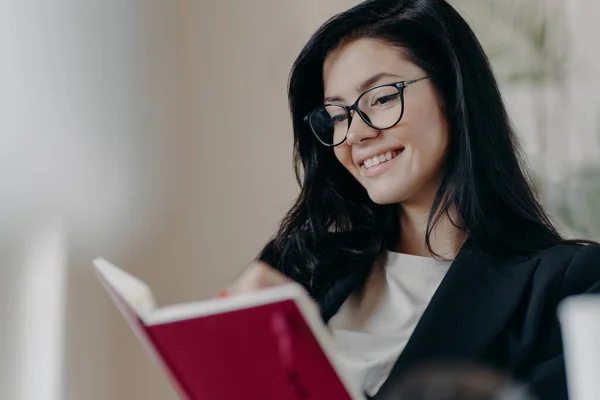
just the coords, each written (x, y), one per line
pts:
(471, 306)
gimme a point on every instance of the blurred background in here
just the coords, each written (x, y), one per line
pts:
(156, 134)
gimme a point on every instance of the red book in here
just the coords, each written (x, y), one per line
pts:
(269, 344)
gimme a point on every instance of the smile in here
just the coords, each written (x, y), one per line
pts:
(380, 159)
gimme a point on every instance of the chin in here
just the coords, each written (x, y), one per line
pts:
(390, 190)
(385, 197)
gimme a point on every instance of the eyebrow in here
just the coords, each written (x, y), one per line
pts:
(364, 85)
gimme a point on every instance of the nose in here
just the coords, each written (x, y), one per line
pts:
(359, 130)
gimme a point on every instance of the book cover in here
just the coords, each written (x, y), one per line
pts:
(268, 344)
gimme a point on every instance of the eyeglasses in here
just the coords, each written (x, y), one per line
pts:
(381, 107)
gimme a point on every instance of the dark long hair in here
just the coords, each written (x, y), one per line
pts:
(334, 232)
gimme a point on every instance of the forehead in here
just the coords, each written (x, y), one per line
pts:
(352, 63)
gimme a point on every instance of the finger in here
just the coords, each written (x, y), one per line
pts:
(257, 276)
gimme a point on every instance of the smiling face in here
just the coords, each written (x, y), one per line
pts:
(403, 164)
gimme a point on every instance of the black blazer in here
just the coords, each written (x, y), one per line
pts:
(502, 312)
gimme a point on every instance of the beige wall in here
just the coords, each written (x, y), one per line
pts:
(159, 131)
(233, 158)
(231, 138)
(83, 122)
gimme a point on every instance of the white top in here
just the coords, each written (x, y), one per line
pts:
(372, 327)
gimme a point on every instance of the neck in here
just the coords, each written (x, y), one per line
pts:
(445, 239)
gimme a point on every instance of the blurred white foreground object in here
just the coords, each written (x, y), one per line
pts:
(580, 324)
(40, 317)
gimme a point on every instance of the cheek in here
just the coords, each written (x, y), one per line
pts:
(432, 142)
(430, 149)
(429, 131)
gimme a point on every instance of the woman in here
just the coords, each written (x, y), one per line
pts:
(416, 229)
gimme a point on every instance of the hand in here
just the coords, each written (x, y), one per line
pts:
(255, 277)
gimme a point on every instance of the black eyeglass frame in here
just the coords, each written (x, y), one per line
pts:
(398, 85)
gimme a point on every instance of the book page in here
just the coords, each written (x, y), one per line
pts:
(133, 291)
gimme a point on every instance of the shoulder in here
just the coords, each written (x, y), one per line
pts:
(559, 272)
(575, 267)
(570, 254)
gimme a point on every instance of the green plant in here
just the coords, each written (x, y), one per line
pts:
(526, 44)
(526, 41)
(576, 202)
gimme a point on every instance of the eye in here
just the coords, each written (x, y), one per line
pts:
(384, 100)
(336, 119)
(334, 114)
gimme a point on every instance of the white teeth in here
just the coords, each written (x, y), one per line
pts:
(371, 162)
